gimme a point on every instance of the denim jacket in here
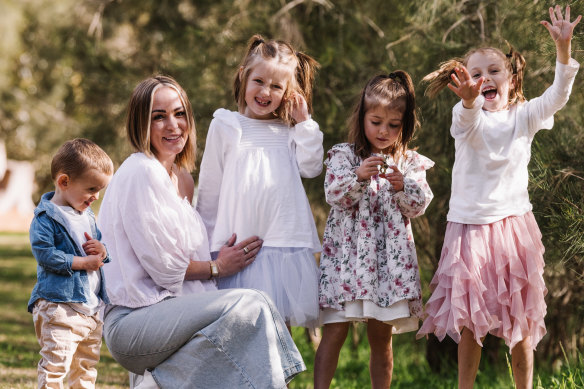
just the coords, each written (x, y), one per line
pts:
(54, 249)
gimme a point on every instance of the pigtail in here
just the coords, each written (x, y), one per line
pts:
(437, 80)
(239, 79)
(517, 62)
(305, 75)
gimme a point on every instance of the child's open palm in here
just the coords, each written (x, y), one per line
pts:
(465, 87)
(561, 29)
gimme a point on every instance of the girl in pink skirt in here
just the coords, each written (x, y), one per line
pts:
(490, 275)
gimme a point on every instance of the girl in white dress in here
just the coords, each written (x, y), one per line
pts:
(250, 179)
(374, 185)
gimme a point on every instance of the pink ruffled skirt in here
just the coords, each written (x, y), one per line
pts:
(490, 280)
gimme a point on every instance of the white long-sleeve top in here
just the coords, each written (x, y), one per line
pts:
(250, 180)
(493, 149)
(151, 235)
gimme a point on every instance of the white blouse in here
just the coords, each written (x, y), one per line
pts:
(250, 180)
(151, 235)
(493, 149)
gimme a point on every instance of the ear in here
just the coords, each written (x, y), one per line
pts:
(62, 181)
(240, 73)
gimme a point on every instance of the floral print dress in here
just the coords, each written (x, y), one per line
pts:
(368, 246)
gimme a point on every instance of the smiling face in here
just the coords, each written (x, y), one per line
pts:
(80, 192)
(265, 88)
(169, 130)
(498, 79)
(383, 127)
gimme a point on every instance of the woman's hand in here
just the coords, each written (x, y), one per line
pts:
(465, 87)
(561, 31)
(233, 257)
(369, 168)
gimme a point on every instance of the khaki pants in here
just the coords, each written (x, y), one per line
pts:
(70, 343)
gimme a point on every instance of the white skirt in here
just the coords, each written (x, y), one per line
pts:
(396, 315)
(288, 275)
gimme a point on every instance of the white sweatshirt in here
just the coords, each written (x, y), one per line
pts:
(493, 149)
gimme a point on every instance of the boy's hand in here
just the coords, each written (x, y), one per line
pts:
(94, 247)
(561, 31)
(465, 87)
(90, 262)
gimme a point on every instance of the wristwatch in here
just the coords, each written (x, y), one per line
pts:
(214, 270)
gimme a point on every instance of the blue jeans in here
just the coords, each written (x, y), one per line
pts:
(222, 339)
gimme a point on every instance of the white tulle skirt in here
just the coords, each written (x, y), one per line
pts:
(289, 275)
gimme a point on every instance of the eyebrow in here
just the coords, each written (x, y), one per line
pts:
(162, 110)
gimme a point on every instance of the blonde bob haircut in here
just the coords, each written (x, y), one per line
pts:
(138, 120)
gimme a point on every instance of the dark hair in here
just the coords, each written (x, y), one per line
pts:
(391, 91)
(303, 69)
(75, 157)
(139, 118)
(514, 62)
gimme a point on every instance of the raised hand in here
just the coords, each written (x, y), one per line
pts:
(299, 108)
(465, 87)
(561, 30)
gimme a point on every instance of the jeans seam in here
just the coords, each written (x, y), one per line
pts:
(285, 348)
(219, 348)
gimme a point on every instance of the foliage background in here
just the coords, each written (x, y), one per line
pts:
(68, 67)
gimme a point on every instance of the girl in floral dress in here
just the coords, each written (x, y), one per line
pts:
(369, 269)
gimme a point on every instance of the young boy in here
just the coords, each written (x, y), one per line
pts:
(70, 287)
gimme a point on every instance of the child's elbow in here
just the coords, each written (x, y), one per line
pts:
(311, 171)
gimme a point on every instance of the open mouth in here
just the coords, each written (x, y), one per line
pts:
(171, 138)
(263, 103)
(490, 93)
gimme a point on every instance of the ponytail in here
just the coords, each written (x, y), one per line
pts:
(239, 80)
(302, 83)
(517, 62)
(438, 79)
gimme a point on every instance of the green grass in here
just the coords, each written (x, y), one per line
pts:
(19, 347)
